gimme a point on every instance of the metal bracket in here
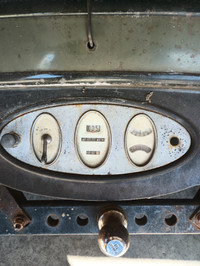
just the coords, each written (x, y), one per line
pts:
(11, 209)
(73, 217)
(195, 219)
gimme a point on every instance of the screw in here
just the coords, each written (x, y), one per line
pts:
(19, 223)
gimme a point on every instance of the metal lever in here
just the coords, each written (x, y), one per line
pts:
(46, 140)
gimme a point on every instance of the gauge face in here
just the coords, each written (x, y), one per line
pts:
(92, 139)
(46, 125)
(140, 139)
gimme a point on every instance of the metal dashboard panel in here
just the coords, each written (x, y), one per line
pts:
(125, 42)
(132, 186)
(118, 117)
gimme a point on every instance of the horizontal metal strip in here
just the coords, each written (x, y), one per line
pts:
(157, 219)
(75, 6)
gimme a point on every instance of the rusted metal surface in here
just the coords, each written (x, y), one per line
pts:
(11, 209)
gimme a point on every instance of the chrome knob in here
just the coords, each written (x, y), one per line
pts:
(113, 235)
(10, 140)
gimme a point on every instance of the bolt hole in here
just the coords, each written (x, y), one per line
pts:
(174, 141)
(91, 47)
(53, 220)
(82, 220)
(141, 219)
(171, 219)
(18, 226)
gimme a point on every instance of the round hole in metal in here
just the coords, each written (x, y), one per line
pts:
(171, 219)
(141, 219)
(53, 220)
(82, 219)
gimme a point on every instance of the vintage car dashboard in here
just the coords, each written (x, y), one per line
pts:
(99, 102)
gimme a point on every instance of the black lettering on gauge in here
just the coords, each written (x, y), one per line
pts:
(93, 139)
(93, 152)
(140, 147)
(140, 133)
(93, 128)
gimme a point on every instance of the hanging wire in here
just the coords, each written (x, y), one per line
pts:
(91, 43)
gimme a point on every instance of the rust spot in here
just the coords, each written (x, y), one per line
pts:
(127, 38)
(148, 96)
(150, 28)
(179, 208)
(120, 65)
(178, 46)
(168, 228)
(131, 31)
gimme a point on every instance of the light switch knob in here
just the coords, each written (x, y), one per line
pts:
(10, 140)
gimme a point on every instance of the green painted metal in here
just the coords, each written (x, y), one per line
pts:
(159, 43)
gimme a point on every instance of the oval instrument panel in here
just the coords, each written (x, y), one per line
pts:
(97, 139)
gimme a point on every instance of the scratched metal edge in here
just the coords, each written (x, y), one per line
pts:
(134, 14)
(161, 81)
(61, 6)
